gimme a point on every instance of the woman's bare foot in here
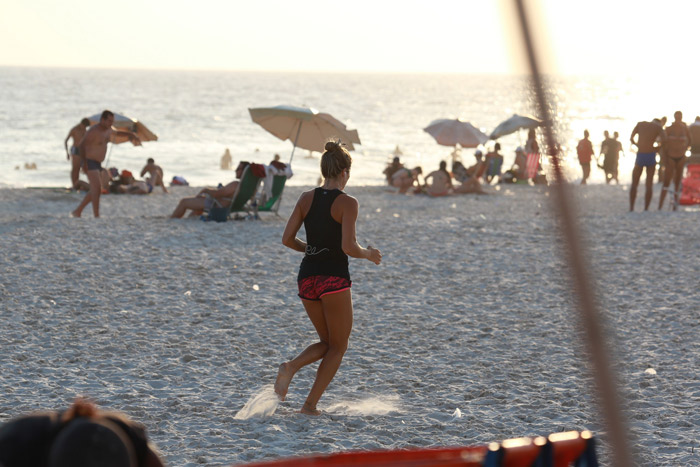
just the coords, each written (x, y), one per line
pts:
(284, 377)
(308, 410)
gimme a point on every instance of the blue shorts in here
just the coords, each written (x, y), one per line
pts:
(94, 165)
(646, 159)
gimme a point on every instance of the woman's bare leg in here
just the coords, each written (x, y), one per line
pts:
(311, 354)
(337, 309)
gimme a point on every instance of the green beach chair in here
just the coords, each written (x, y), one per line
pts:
(273, 204)
(247, 188)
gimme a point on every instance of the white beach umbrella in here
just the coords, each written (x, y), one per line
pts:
(513, 124)
(451, 132)
(304, 127)
(126, 123)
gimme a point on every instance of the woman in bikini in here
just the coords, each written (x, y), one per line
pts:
(329, 216)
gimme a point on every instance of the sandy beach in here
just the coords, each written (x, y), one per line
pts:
(180, 323)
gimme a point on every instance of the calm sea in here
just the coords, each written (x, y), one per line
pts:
(197, 115)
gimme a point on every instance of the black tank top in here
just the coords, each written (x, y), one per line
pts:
(324, 237)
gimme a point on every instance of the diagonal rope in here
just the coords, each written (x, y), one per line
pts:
(604, 376)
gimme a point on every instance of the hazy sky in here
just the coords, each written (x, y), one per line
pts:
(469, 36)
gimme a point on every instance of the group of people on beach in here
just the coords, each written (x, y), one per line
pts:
(88, 152)
(658, 146)
(486, 170)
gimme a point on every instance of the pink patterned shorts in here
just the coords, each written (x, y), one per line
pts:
(315, 287)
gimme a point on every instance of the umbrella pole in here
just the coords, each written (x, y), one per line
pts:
(295, 142)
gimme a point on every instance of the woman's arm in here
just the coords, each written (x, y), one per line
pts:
(350, 210)
(289, 237)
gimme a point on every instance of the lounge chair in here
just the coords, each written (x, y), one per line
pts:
(247, 188)
(273, 203)
(532, 165)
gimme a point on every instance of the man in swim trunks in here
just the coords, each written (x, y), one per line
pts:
(93, 148)
(677, 142)
(647, 134)
(77, 133)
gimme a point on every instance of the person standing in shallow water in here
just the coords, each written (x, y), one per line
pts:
(329, 217)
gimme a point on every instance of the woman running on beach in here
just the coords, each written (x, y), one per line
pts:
(329, 216)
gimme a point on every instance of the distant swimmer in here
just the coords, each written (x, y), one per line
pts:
(677, 142)
(77, 133)
(93, 148)
(647, 134)
(328, 216)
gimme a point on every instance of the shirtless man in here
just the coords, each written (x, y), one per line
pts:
(93, 148)
(441, 181)
(677, 142)
(77, 133)
(647, 134)
(156, 174)
(209, 197)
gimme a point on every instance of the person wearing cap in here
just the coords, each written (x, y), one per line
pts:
(81, 436)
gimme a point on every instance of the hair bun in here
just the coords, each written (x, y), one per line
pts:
(332, 146)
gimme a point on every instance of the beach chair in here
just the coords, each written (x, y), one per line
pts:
(532, 165)
(247, 188)
(273, 204)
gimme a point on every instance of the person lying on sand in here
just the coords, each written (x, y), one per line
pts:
(209, 197)
(404, 179)
(441, 184)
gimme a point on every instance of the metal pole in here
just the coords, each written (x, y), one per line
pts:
(604, 376)
(295, 141)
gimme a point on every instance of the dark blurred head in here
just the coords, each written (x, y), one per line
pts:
(150, 160)
(241, 167)
(85, 122)
(443, 166)
(92, 442)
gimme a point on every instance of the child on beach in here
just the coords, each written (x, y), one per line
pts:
(329, 216)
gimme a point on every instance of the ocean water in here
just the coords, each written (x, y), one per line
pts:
(197, 115)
